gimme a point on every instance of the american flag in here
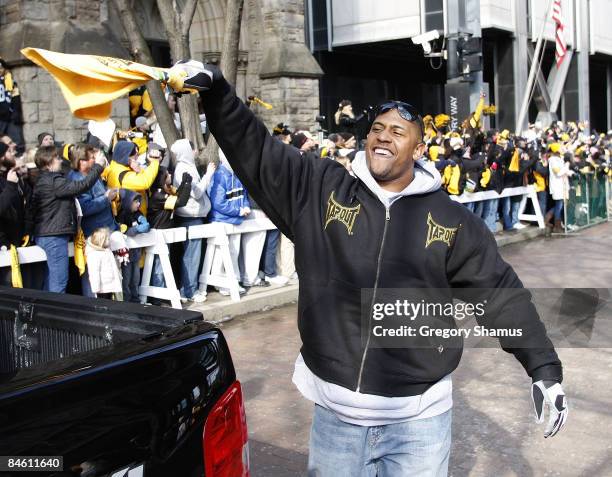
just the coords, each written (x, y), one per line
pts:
(561, 46)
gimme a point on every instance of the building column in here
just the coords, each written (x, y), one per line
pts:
(609, 94)
(582, 52)
(521, 57)
(289, 73)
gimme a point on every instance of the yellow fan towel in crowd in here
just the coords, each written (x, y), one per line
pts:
(90, 83)
(514, 162)
(451, 177)
(261, 102)
(485, 178)
(16, 280)
(79, 251)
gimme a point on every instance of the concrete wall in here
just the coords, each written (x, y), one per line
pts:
(366, 21)
(600, 31)
(497, 14)
(46, 110)
(76, 26)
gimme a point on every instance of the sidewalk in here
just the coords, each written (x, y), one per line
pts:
(220, 308)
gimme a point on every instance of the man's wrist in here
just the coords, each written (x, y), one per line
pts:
(550, 372)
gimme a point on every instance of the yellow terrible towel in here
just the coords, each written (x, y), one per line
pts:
(90, 83)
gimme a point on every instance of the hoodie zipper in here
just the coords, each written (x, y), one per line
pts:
(380, 252)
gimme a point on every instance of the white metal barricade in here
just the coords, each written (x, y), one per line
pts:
(526, 193)
(217, 242)
(30, 254)
(155, 243)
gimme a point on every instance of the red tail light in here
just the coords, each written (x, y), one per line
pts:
(225, 440)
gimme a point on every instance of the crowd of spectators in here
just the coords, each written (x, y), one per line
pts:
(95, 196)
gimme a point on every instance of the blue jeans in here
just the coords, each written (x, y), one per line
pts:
(510, 208)
(56, 248)
(476, 207)
(86, 286)
(157, 274)
(268, 257)
(557, 209)
(489, 213)
(190, 264)
(131, 277)
(543, 201)
(420, 448)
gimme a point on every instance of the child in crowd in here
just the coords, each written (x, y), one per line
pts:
(132, 222)
(164, 199)
(104, 275)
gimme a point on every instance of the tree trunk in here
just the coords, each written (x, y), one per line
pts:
(229, 60)
(142, 54)
(177, 23)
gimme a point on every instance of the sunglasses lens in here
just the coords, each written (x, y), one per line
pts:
(406, 111)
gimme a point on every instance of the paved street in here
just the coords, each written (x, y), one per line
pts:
(493, 429)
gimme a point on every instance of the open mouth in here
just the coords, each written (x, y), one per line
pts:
(383, 153)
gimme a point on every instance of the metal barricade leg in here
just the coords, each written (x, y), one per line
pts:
(207, 265)
(171, 289)
(218, 269)
(170, 292)
(146, 273)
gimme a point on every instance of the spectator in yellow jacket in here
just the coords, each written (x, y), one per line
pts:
(125, 172)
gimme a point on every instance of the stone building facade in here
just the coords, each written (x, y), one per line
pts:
(274, 62)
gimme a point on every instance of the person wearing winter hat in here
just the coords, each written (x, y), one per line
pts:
(230, 205)
(45, 139)
(131, 222)
(304, 142)
(125, 172)
(192, 213)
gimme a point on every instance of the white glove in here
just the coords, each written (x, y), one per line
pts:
(191, 75)
(549, 394)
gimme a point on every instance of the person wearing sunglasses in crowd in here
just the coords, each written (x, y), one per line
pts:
(379, 410)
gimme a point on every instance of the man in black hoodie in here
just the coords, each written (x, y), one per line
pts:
(379, 410)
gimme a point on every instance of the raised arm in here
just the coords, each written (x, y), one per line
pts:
(63, 187)
(275, 174)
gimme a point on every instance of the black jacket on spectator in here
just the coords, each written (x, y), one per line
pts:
(496, 165)
(14, 221)
(517, 179)
(473, 168)
(162, 205)
(53, 202)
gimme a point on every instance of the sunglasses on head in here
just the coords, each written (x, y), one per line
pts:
(405, 110)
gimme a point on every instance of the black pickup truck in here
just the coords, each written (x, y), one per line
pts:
(116, 390)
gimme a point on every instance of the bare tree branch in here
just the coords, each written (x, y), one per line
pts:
(187, 16)
(142, 54)
(229, 60)
(171, 14)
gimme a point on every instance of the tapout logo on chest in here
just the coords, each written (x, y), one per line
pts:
(341, 213)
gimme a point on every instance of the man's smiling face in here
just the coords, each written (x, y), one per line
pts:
(392, 146)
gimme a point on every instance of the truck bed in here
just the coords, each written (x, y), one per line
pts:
(107, 385)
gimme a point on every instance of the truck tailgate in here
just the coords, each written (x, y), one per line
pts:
(139, 403)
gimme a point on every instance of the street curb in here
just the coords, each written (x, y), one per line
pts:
(523, 235)
(219, 310)
(225, 309)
